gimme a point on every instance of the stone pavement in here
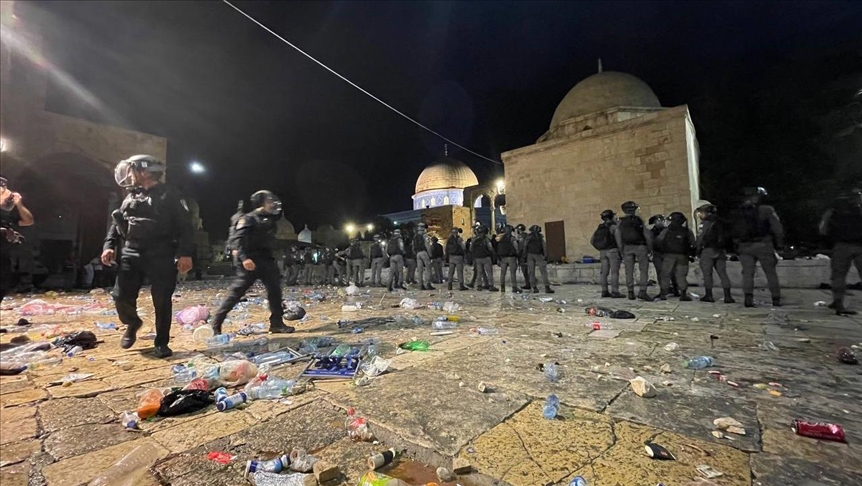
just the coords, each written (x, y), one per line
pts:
(429, 408)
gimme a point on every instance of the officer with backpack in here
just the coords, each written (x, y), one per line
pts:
(677, 243)
(605, 241)
(635, 243)
(508, 252)
(659, 223)
(422, 247)
(378, 259)
(395, 250)
(537, 257)
(757, 233)
(710, 248)
(842, 224)
(455, 251)
(355, 263)
(483, 254)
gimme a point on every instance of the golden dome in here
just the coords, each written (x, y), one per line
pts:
(603, 91)
(446, 173)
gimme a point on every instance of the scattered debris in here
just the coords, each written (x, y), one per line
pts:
(658, 452)
(445, 475)
(708, 472)
(461, 466)
(724, 422)
(642, 387)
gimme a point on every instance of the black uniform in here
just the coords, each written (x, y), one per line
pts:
(254, 239)
(842, 224)
(154, 227)
(7, 241)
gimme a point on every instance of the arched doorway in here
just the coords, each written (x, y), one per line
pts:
(70, 196)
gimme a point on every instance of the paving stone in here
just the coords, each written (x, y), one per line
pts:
(21, 397)
(680, 411)
(787, 444)
(82, 439)
(86, 388)
(193, 433)
(196, 469)
(311, 427)
(18, 423)
(17, 475)
(439, 415)
(120, 401)
(70, 412)
(350, 457)
(263, 410)
(16, 452)
(11, 384)
(82, 469)
(774, 470)
(528, 449)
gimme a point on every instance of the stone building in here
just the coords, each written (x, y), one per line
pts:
(609, 141)
(63, 166)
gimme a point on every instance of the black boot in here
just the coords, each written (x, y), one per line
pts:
(708, 297)
(643, 296)
(130, 336)
(517, 290)
(278, 327)
(503, 289)
(840, 310)
(462, 288)
(776, 302)
(527, 287)
(728, 299)
(549, 290)
(449, 286)
(685, 297)
(661, 296)
(216, 328)
(631, 295)
(749, 300)
(492, 289)
(605, 294)
(617, 295)
(676, 292)
(535, 290)
(163, 352)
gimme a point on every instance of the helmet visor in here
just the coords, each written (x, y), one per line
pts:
(124, 174)
(272, 205)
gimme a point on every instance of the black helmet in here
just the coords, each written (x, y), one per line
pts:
(754, 191)
(141, 163)
(535, 229)
(629, 207)
(707, 209)
(608, 215)
(521, 228)
(656, 218)
(677, 218)
(482, 230)
(259, 198)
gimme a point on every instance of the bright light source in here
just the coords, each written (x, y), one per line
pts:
(350, 229)
(197, 168)
(370, 227)
(3, 145)
(501, 184)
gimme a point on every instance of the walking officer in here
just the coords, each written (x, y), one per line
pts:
(395, 250)
(153, 233)
(757, 233)
(842, 224)
(509, 253)
(536, 257)
(604, 240)
(378, 259)
(356, 263)
(436, 261)
(455, 250)
(422, 246)
(710, 248)
(635, 243)
(255, 241)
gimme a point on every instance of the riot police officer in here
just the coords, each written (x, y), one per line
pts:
(255, 241)
(421, 246)
(378, 259)
(455, 250)
(395, 250)
(521, 235)
(409, 258)
(483, 254)
(842, 224)
(355, 263)
(757, 233)
(230, 249)
(436, 261)
(509, 252)
(677, 243)
(710, 248)
(537, 257)
(659, 224)
(9, 202)
(635, 243)
(153, 232)
(604, 240)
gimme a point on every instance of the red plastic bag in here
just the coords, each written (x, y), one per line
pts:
(220, 457)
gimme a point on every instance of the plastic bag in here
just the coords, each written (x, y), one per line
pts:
(184, 401)
(192, 315)
(85, 339)
(237, 372)
(408, 303)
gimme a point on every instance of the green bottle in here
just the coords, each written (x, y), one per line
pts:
(415, 345)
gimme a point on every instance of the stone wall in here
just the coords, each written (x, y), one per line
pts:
(650, 159)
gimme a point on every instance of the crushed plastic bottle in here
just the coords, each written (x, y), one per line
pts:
(698, 363)
(128, 469)
(671, 347)
(551, 407)
(357, 427)
(129, 420)
(552, 373)
(451, 307)
(271, 388)
(106, 326)
(442, 325)
(486, 331)
(272, 359)
(767, 346)
(74, 351)
(578, 481)
(249, 329)
(184, 374)
(415, 345)
(218, 340)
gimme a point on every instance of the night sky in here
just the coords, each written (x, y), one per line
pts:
(489, 75)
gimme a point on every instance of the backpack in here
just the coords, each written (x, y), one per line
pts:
(355, 252)
(716, 236)
(631, 230)
(534, 244)
(676, 240)
(393, 248)
(603, 238)
(746, 224)
(452, 247)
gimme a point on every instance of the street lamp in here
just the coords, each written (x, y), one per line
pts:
(370, 227)
(197, 168)
(350, 229)
(3, 145)
(501, 186)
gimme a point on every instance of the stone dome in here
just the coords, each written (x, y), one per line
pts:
(304, 236)
(446, 173)
(285, 230)
(603, 91)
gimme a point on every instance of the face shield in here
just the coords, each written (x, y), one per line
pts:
(124, 174)
(272, 205)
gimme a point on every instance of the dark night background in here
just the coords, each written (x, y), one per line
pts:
(770, 86)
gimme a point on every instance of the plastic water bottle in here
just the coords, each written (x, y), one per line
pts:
(139, 459)
(551, 372)
(129, 420)
(186, 374)
(218, 340)
(441, 325)
(272, 388)
(272, 466)
(698, 363)
(106, 326)
(551, 408)
(220, 394)
(232, 401)
(74, 351)
(578, 481)
(487, 331)
(272, 359)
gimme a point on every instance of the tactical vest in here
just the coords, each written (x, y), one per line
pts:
(534, 245)
(677, 241)
(479, 248)
(376, 251)
(393, 247)
(452, 246)
(506, 247)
